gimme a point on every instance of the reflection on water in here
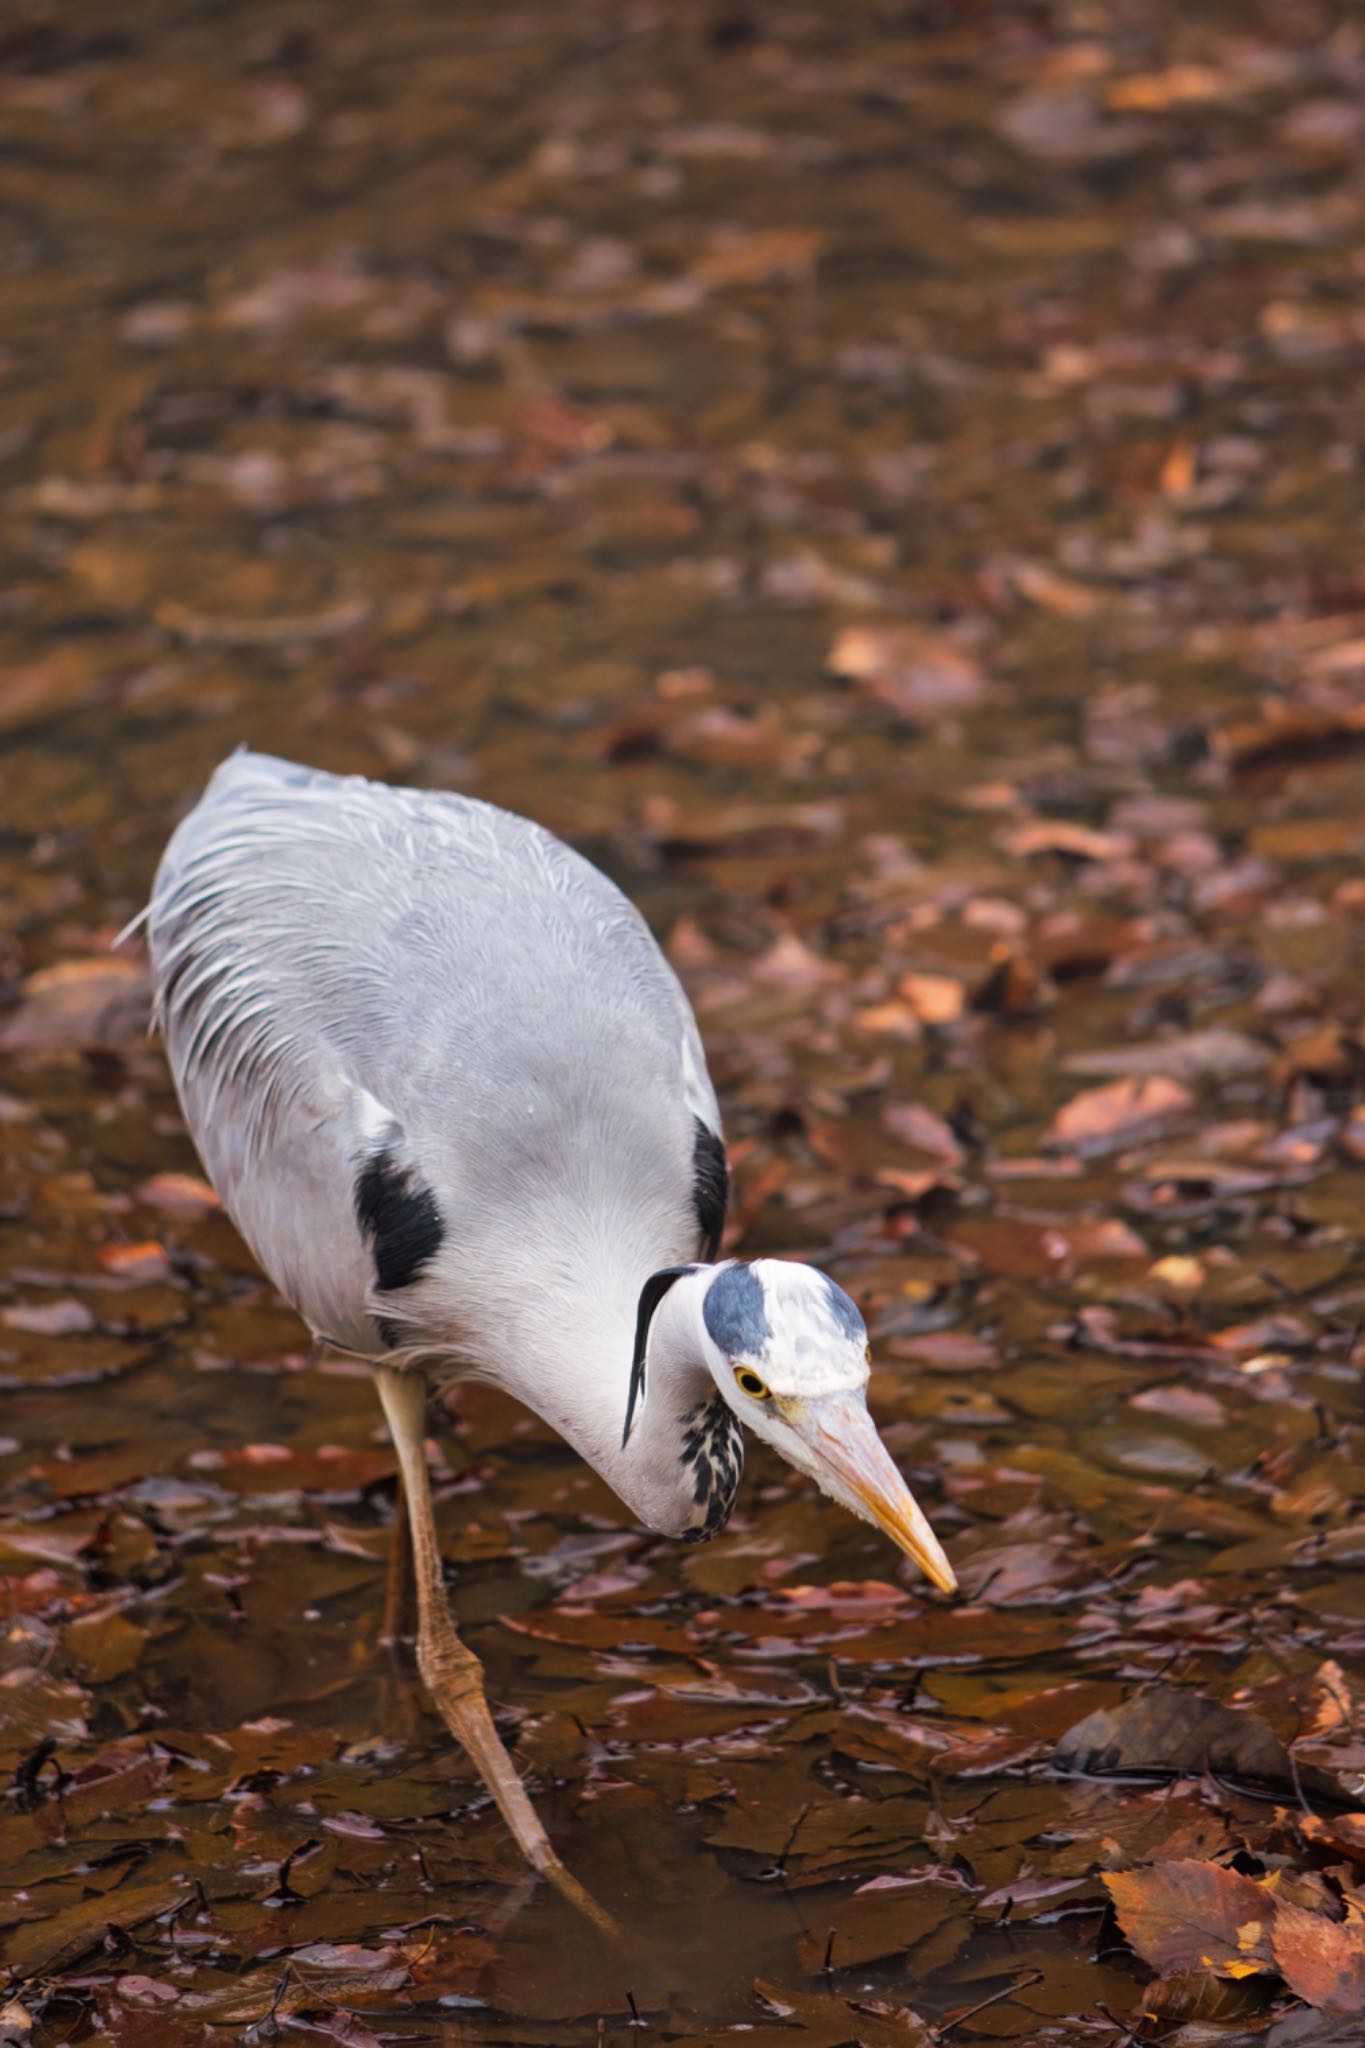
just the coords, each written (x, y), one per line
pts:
(883, 483)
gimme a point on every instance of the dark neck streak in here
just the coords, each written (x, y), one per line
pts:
(712, 1454)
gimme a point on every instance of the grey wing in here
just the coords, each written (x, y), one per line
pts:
(410, 1031)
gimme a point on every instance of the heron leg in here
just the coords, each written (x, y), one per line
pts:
(398, 1579)
(451, 1673)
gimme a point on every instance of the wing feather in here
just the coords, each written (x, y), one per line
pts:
(348, 973)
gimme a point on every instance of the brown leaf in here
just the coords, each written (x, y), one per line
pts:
(54, 1943)
(79, 1002)
(921, 1128)
(1184, 1058)
(1099, 1117)
(1061, 835)
(104, 1645)
(179, 1194)
(135, 1262)
(817, 2019)
(1185, 1915)
(884, 1917)
(934, 998)
(1044, 586)
(1192, 1996)
(1322, 1960)
(919, 675)
(1343, 1832)
(1173, 1730)
(67, 1318)
(777, 255)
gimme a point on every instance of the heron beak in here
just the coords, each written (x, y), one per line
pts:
(842, 1439)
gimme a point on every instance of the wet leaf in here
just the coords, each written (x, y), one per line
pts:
(725, 442)
(104, 1646)
(1186, 1058)
(1175, 1731)
(885, 1917)
(48, 1945)
(1322, 1960)
(1184, 1916)
(79, 1002)
(918, 675)
(1117, 1112)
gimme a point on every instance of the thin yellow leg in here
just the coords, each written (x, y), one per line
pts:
(398, 1579)
(451, 1673)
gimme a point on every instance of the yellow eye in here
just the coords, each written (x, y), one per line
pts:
(750, 1383)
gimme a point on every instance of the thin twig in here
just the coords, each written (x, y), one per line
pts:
(1024, 1983)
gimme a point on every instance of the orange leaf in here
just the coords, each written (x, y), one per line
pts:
(146, 1261)
(1322, 1960)
(1116, 1109)
(182, 1194)
(1185, 1915)
(934, 998)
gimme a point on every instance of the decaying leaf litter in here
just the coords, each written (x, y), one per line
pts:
(886, 483)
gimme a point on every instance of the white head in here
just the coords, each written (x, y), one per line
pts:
(789, 1355)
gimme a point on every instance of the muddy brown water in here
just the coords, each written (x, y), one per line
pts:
(886, 483)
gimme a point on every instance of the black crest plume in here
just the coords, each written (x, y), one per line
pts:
(651, 1294)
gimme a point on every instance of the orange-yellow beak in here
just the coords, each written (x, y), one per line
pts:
(841, 1438)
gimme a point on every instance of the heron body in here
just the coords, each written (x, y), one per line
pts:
(455, 1099)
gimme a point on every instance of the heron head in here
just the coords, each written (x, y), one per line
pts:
(789, 1352)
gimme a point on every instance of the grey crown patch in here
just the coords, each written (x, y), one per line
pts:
(845, 1312)
(734, 1311)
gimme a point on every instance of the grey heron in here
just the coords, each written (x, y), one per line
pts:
(454, 1098)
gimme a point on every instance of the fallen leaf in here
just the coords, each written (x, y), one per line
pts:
(777, 255)
(1053, 592)
(1177, 470)
(1185, 1915)
(49, 1318)
(1180, 1271)
(1101, 1117)
(80, 1002)
(135, 1262)
(44, 1946)
(1178, 1732)
(104, 1645)
(180, 1194)
(924, 1130)
(1187, 1057)
(1059, 835)
(885, 1917)
(934, 998)
(1322, 1960)
(917, 674)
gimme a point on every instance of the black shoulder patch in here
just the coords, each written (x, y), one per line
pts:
(400, 1217)
(710, 1188)
(651, 1294)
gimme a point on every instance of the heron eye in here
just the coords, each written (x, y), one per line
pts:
(750, 1383)
(867, 1353)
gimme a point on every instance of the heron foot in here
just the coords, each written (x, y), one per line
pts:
(452, 1673)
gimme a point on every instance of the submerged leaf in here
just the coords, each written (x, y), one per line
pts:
(1177, 1732)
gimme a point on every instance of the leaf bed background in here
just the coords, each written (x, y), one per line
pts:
(886, 482)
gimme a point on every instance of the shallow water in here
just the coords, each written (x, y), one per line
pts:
(885, 482)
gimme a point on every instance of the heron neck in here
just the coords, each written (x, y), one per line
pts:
(679, 1472)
